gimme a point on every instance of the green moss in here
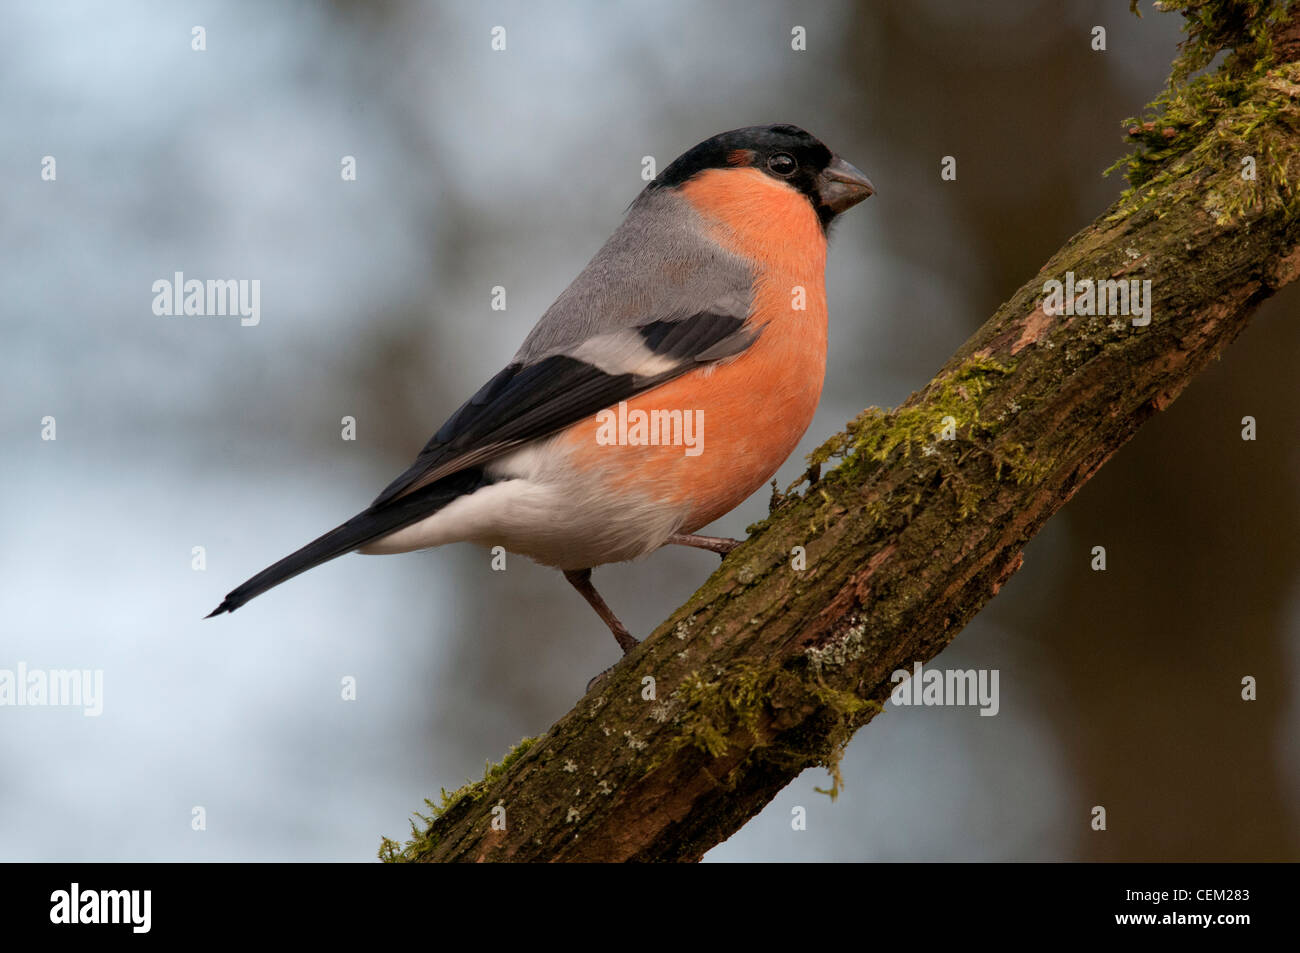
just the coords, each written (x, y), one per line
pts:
(953, 406)
(876, 434)
(844, 704)
(422, 840)
(1246, 108)
(846, 710)
(948, 420)
(710, 709)
(832, 765)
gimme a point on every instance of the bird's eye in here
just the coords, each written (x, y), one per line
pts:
(782, 163)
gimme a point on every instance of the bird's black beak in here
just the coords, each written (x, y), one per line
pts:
(841, 186)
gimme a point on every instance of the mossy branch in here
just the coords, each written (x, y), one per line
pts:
(788, 649)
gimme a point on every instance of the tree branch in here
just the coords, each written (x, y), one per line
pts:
(770, 668)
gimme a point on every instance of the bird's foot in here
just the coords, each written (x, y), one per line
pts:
(714, 544)
(601, 676)
(580, 579)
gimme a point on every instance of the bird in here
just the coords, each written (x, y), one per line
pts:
(665, 385)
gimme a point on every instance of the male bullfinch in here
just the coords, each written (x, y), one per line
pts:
(663, 387)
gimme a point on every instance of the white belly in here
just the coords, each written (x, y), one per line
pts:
(542, 509)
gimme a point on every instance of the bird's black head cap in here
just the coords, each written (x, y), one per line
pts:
(784, 152)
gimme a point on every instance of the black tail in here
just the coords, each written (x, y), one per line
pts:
(366, 527)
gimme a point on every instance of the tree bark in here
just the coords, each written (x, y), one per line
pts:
(789, 647)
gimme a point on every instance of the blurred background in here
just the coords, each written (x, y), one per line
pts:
(477, 168)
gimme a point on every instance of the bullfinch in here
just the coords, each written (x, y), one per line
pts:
(667, 383)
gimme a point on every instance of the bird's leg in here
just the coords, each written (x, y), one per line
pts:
(580, 579)
(714, 544)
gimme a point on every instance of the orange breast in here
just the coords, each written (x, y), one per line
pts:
(755, 408)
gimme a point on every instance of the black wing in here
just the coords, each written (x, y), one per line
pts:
(522, 403)
(525, 402)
